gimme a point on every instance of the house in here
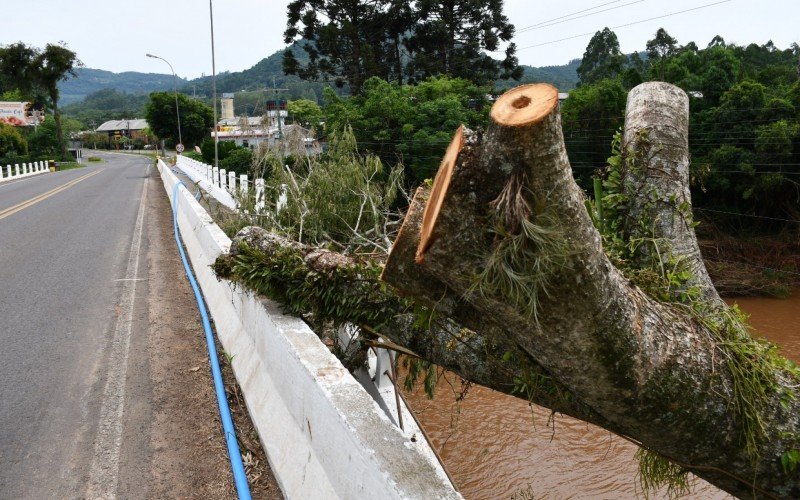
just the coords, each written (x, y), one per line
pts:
(132, 129)
(269, 130)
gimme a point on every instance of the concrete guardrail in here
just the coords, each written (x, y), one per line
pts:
(324, 436)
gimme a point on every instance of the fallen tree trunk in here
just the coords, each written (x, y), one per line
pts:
(337, 288)
(511, 236)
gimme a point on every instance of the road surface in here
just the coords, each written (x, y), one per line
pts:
(104, 384)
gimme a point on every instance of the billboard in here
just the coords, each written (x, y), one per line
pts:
(17, 114)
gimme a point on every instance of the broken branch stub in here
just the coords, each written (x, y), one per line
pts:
(655, 147)
(440, 185)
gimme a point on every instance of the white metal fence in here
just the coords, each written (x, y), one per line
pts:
(18, 171)
(226, 187)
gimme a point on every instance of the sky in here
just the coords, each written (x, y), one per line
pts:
(115, 36)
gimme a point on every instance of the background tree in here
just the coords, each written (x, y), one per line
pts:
(197, 119)
(305, 112)
(408, 123)
(450, 38)
(17, 69)
(350, 41)
(659, 49)
(35, 74)
(591, 116)
(602, 58)
(339, 38)
(52, 65)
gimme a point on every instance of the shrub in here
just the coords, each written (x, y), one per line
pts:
(11, 141)
(194, 155)
(223, 150)
(239, 160)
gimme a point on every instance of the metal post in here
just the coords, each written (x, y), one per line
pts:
(214, 84)
(175, 91)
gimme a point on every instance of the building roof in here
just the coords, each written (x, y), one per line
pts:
(252, 121)
(132, 124)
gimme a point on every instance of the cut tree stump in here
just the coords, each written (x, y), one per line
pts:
(656, 374)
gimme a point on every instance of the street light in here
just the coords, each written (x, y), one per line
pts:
(175, 91)
(214, 84)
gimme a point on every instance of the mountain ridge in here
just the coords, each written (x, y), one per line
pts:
(267, 72)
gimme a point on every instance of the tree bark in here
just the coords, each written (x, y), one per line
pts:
(62, 147)
(485, 358)
(656, 373)
(655, 149)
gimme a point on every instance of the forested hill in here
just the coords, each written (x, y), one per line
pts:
(267, 73)
(96, 95)
(564, 77)
(91, 80)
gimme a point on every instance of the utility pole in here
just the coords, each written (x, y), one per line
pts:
(276, 90)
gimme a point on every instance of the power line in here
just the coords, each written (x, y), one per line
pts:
(626, 24)
(531, 28)
(526, 28)
(747, 215)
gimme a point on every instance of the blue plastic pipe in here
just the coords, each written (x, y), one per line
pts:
(239, 476)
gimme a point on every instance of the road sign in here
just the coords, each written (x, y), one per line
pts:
(179, 148)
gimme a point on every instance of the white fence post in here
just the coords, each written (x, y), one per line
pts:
(259, 195)
(232, 182)
(282, 199)
(243, 184)
(209, 172)
(223, 178)
(25, 169)
(215, 176)
(8, 170)
(16, 167)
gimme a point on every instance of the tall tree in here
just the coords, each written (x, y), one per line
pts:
(54, 64)
(16, 68)
(659, 49)
(350, 41)
(339, 37)
(450, 38)
(33, 71)
(602, 58)
(197, 119)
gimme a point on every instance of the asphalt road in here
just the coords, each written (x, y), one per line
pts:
(101, 391)
(60, 262)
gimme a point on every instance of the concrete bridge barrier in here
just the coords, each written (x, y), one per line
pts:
(324, 435)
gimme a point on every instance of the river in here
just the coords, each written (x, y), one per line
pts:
(496, 446)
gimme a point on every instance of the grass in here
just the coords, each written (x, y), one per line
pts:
(94, 159)
(69, 166)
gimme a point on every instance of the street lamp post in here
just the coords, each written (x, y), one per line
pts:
(214, 84)
(175, 91)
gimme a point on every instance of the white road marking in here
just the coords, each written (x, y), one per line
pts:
(104, 473)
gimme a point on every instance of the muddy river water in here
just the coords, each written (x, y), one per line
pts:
(496, 446)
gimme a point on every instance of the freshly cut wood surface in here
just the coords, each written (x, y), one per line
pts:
(525, 105)
(440, 185)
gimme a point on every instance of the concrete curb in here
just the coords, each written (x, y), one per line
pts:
(324, 435)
